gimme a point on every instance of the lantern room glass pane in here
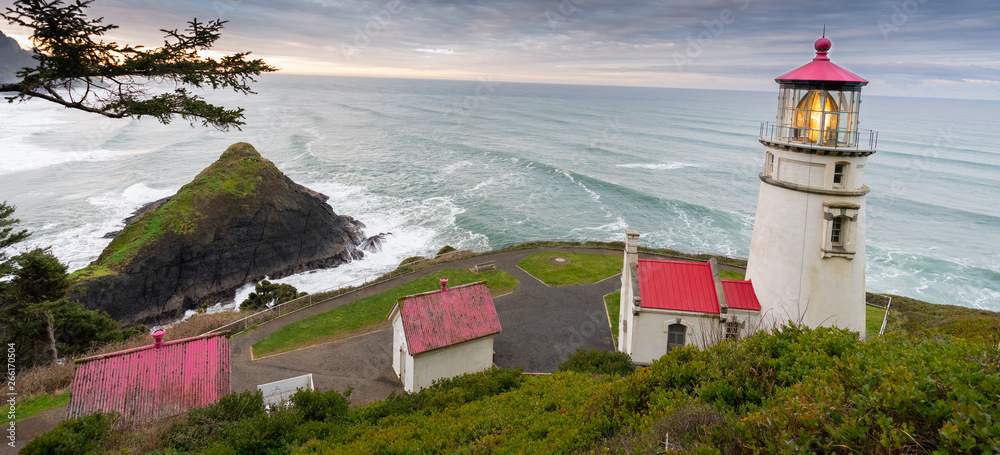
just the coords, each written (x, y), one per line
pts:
(818, 117)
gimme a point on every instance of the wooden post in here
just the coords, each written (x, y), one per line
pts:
(885, 318)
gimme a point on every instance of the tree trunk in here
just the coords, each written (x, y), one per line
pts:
(49, 327)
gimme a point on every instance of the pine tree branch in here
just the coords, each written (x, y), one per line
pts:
(77, 70)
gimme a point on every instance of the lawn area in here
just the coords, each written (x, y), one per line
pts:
(731, 275)
(582, 268)
(348, 319)
(612, 301)
(37, 405)
(873, 320)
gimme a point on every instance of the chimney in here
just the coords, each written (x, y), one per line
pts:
(158, 339)
(444, 284)
(631, 247)
(719, 293)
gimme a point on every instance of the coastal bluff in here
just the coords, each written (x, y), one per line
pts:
(239, 220)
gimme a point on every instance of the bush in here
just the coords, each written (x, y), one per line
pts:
(446, 249)
(74, 437)
(266, 294)
(597, 361)
(322, 406)
(205, 425)
(76, 330)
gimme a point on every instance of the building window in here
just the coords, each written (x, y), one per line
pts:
(837, 232)
(841, 228)
(675, 336)
(839, 176)
(732, 329)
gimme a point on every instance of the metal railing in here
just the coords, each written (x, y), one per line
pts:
(830, 138)
(316, 298)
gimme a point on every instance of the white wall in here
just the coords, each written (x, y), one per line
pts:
(468, 357)
(792, 278)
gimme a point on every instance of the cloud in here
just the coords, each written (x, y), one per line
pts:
(592, 41)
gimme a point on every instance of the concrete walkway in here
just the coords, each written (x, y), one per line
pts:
(542, 326)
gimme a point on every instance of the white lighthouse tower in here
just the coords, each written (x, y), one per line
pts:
(807, 254)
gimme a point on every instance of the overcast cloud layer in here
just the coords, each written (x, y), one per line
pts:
(927, 48)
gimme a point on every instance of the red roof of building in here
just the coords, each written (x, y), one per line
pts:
(149, 383)
(740, 295)
(689, 286)
(821, 69)
(450, 316)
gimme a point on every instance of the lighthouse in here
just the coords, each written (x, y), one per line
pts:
(807, 253)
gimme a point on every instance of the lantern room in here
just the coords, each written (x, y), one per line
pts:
(818, 104)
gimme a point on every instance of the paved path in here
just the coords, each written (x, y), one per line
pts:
(541, 326)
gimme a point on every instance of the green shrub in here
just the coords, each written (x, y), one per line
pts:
(266, 293)
(74, 436)
(446, 249)
(597, 361)
(322, 406)
(205, 425)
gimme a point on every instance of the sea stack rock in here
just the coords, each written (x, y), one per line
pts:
(240, 220)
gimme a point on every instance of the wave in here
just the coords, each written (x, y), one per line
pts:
(657, 166)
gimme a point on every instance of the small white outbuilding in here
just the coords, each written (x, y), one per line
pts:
(443, 334)
(667, 304)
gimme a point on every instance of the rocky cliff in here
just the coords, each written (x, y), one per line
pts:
(240, 220)
(12, 58)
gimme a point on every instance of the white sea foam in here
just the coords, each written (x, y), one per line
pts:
(656, 166)
(82, 240)
(417, 227)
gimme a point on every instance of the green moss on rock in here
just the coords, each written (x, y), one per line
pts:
(233, 177)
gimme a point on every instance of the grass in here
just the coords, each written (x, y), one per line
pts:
(361, 314)
(582, 268)
(731, 275)
(37, 405)
(873, 320)
(612, 301)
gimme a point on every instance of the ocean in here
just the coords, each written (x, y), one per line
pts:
(483, 163)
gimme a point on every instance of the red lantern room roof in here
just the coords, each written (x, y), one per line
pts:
(821, 72)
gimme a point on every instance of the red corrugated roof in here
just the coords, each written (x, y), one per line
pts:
(146, 383)
(740, 295)
(442, 318)
(677, 285)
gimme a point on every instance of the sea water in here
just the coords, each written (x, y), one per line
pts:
(484, 163)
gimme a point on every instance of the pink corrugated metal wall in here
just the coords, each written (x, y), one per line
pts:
(147, 384)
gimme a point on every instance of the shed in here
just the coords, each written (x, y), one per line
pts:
(155, 381)
(443, 333)
(666, 304)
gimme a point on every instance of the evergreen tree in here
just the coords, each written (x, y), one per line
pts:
(78, 70)
(8, 237)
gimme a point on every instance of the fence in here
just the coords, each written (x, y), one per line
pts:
(292, 306)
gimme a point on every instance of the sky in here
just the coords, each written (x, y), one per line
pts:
(920, 48)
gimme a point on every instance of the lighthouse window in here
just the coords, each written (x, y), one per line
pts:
(675, 336)
(838, 175)
(769, 164)
(837, 233)
(817, 117)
